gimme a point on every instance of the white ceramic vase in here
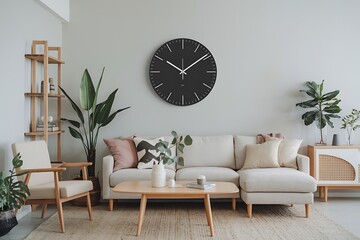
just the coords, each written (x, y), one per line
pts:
(158, 176)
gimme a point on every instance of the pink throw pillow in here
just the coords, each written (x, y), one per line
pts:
(123, 151)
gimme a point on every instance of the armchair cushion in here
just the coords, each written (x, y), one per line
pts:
(67, 189)
(276, 180)
(35, 155)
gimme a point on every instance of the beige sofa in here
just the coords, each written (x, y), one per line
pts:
(221, 158)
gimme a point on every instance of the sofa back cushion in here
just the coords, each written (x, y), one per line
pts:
(211, 151)
(240, 143)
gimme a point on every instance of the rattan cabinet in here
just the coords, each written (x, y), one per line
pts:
(335, 167)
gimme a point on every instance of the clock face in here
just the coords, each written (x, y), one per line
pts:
(182, 72)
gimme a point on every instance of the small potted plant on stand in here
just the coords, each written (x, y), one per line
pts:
(13, 195)
(158, 175)
(87, 128)
(349, 123)
(325, 106)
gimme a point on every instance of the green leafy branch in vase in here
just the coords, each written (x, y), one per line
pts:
(349, 123)
(179, 142)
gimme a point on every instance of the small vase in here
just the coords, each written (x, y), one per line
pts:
(158, 176)
(335, 141)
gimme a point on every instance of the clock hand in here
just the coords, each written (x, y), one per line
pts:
(183, 71)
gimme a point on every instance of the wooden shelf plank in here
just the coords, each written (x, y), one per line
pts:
(42, 133)
(42, 95)
(40, 58)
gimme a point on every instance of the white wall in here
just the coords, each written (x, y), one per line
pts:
(60, 8)
(21, 21)
(264, 50)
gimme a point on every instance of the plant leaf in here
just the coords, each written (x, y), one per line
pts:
(112, 116)
(87, 91)
(188, 140)
(174, 133)
(307, 104)
(181, 147)
(75, 133)
(74, 106)
(309, 117)
(72, 122)
(106, 108)
(181, 161)
(329, 96)
(97, 90)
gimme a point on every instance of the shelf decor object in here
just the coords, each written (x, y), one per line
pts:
(42, 56)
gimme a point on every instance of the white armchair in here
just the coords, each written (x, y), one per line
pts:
(43, 180)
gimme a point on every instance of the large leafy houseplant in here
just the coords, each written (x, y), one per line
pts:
(349, 123)
(13, 194)
(97, 115)
(325, 107)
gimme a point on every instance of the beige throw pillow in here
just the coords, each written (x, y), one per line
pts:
(288, 151)
(263, 155)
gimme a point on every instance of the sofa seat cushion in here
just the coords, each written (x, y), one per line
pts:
(276, 180)
(134, 174)
(67, 189)
(212, 174)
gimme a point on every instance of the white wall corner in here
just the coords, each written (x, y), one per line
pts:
(60, 8)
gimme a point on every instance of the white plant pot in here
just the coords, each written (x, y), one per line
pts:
(158, 176)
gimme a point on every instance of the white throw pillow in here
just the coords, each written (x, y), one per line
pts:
(263, 155)
(147, 153)
(288, 151)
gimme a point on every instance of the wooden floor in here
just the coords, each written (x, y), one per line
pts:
(344, 211)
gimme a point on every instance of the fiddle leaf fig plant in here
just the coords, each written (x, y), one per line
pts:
(165, 148)
(13, 193)
(324, 105)
(97, 115)
(349, 123)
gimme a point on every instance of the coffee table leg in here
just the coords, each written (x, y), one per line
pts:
(141, 213)
(209, 214)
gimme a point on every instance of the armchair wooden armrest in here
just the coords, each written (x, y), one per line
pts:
(29, 171)
(75, 164)
(32, 170)
(83, 166)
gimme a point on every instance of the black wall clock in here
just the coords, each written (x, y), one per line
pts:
(182, 72)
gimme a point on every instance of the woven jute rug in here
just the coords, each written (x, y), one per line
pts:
(188, 221)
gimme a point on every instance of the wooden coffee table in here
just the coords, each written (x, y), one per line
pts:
(179, 191)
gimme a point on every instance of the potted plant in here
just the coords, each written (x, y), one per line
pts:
(13, 195)
(88, 125)
(349, 123)
(158, 175)
(325, 106)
